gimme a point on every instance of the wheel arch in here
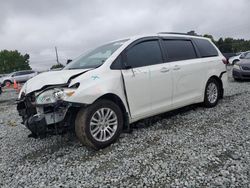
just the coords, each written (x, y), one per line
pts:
(7, 80)
(117, 100)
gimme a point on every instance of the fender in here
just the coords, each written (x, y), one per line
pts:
(96, 83)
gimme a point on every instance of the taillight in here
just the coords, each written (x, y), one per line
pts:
(225, 61)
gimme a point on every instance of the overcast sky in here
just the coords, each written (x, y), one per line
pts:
(37, 26)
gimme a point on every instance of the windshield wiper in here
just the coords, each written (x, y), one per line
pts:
(72, 68)
(98, 66)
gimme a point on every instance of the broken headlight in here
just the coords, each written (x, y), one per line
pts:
(22, 91)
(53, 95)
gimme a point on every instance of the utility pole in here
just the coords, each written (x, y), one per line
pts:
(4, 65)
(57, 60)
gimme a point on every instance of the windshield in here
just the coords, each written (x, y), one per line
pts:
(247, 56)
(96, 57)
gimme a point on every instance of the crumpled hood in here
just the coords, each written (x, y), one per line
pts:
(50, 78)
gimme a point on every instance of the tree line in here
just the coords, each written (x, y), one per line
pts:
(11, 61)
(230, 45)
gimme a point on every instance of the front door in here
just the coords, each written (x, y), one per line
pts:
(19, 76)
(138, 91)
(143, 79)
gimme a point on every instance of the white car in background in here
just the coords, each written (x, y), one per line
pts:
(19, 76)
(105, 90)
(235, 59)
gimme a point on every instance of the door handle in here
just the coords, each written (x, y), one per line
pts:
(176, 67)
(164, 70)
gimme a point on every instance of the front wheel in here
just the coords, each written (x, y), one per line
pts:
(211, 93)
(99, 124)
(7, 83)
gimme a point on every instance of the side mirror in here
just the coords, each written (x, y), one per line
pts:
(68, 61)
(128, 67)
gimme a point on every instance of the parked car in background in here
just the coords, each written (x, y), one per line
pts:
(235, 59)
(229, 55)
(19, 76)
(241, 70)
(103, 91)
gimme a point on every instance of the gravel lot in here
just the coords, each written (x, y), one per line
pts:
(191, 147)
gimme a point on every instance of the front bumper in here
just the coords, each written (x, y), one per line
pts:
(45, 119)
(37, 125)
(241, 74)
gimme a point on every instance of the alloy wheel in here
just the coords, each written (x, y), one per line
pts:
(212, 92)
(103, 124)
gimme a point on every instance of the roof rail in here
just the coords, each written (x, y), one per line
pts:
(176, 33)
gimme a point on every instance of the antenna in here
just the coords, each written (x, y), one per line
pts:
(57, 60)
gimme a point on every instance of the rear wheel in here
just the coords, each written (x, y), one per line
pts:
(99, 124)
(212, 93)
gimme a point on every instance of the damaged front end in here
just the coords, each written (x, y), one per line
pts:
(45, 112)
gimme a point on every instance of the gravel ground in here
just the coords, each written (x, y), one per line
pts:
(191, 147)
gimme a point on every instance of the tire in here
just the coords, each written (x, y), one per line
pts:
(6, 82)
(87, 126)
(212, 93)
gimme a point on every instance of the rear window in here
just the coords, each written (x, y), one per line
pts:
(179, 50)
(205, 48)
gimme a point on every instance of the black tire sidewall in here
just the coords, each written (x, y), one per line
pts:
(6, 81)
(89, 112)
(206, 101)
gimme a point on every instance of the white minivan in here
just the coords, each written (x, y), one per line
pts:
(106, 89)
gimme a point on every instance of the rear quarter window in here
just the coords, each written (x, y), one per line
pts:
(205, 48)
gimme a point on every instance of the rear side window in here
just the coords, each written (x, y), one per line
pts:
(25, 72)
(18, 74)
(205, 48)
(179, 50)
(144, 54)
(29, 72)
